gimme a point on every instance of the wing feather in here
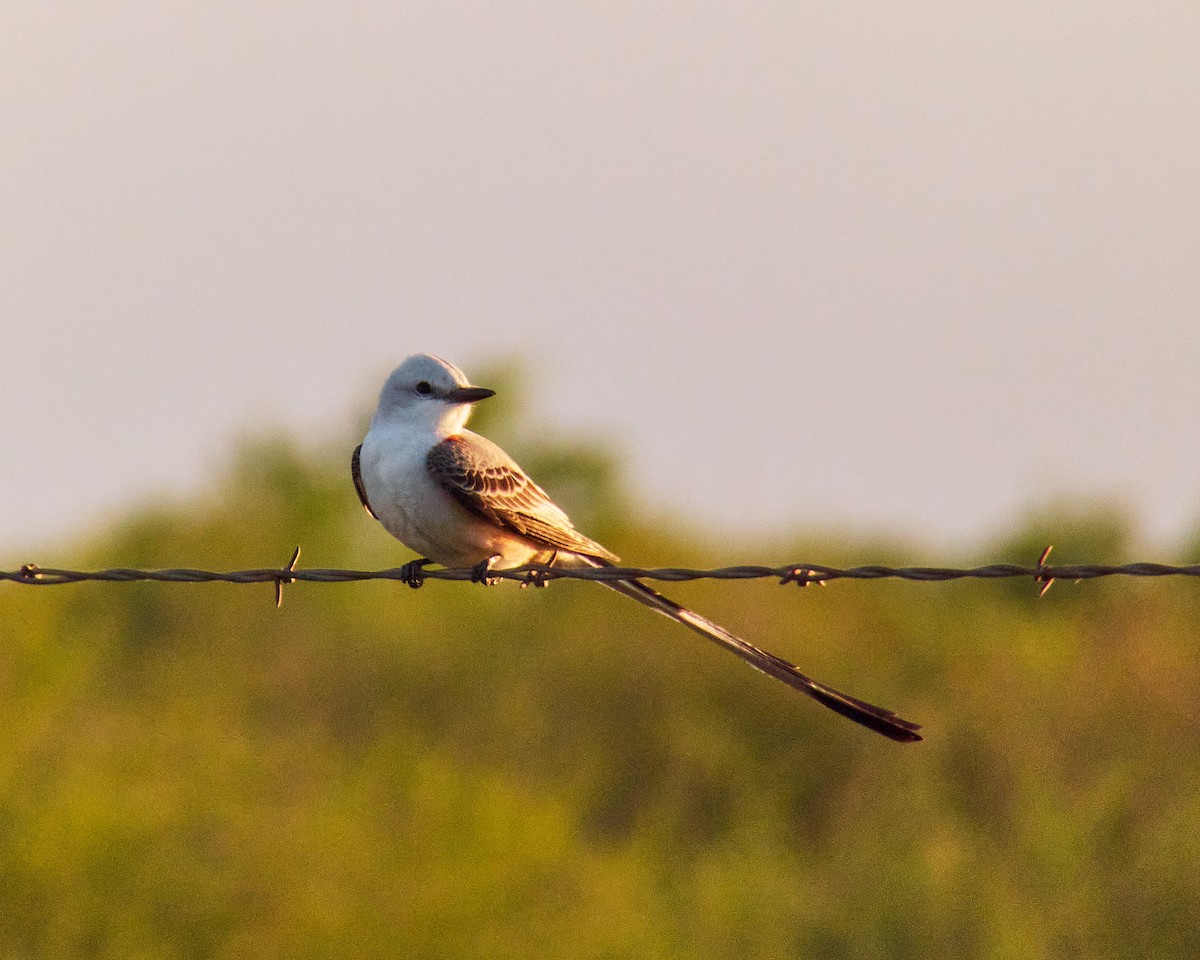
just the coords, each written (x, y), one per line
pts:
(489, 484)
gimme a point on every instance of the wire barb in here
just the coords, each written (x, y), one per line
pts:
(1045, 582)
(284, 578)
(802, 576)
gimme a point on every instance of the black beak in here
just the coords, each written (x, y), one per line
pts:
(469, 394)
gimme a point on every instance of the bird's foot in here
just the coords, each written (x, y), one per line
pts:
(479, 572)
(539, 578)
(413, 572)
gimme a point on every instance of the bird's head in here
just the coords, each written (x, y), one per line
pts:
(428, 391)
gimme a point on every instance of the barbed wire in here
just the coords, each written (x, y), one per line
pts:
(414, 574)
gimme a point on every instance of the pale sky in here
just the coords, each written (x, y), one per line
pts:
(907, 267)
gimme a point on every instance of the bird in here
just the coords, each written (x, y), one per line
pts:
(458, 500)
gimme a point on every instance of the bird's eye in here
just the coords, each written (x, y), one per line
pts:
(424, 388)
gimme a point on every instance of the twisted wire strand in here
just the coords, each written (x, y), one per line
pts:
(802, 573)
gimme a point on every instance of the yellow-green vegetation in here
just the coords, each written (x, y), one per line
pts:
(455, 771)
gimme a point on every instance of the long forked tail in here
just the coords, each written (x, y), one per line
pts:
(870, 716)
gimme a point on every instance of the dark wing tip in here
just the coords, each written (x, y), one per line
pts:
(870, 716)
(874, 718)
(356, 473)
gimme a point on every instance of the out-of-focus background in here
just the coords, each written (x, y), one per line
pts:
(905, 268)
(757, 283)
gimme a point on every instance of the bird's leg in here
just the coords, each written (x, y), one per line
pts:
(479, 572)
(413, 572)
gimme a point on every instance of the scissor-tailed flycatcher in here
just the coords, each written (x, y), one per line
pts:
(459, 500)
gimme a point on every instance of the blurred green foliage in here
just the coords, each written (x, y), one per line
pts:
(453, 772)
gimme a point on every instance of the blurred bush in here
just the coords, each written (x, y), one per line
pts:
(460, 772)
